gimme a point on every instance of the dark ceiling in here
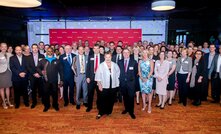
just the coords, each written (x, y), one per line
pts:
(116, 9)
(188, 14)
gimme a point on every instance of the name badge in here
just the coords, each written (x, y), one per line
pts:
(153, 60)
(131, 68)
(55, 62)
(197, 64)
(2, 58)
(170, 62)
(92, 59)
(64, 58)
(186, 62)
(39, 59)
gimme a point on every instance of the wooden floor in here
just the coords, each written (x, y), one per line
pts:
(173, 119)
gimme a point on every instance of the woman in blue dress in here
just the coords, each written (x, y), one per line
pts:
(145, 68)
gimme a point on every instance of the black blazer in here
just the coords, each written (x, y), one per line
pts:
(67, 70)
(199, 69)
(32, 69)
(206, 61)
(114, 58)
(16, 68)
(128, 78)
(52, 70)
(90, 66)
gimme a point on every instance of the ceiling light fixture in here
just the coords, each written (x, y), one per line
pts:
(20, 3)
(163, 5)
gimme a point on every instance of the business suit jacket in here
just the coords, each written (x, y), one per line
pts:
(186, 64)
(76, 65)
(114, 58)
(67, 68)
(128, 78)
(90, 66)
(206, 61)
(16, 68)
(213, 67)
(32, 69)
(4, 62)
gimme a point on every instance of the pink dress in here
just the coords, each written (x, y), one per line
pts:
(161, 70)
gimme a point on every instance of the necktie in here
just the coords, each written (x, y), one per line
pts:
(125, 65)
(69, 59)
(82, 64)
(96, 64)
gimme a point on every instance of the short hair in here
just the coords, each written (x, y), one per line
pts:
(111, 42)
(34, 45)
(96, 45)
(102, 47)
(119, 47)
(108, 52)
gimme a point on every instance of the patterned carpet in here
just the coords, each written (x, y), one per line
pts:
(173, 119)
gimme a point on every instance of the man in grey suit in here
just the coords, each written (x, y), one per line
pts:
(79, 68)
(215, 74)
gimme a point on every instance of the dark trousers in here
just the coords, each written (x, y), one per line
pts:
(92, 86)
(183, 87)
(118, 95)
(68, 83)
(205, 85)
(216, 86)
(197, 90)
(50, 89)
(128, 97)
(20, 88)
(36, 87)
(107, 101)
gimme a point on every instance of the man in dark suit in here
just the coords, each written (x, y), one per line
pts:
(128, 73)
(35, 78)
(92, 65)
(18, 66)
(66, 61)
(116, 58)
(208, 59)
(215, 74)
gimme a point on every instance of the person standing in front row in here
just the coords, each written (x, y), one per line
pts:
(66, 61)
(5, 76)
(107, 77)
(18, 66)
(35, 79)
(79, 68)
(215, 75)
(94, 60)
(197, 77)
(145, 71)
(49, 68)
(183, 69)
(128, 74)
(161, 71)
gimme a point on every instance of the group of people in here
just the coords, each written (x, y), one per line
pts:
(115, 72)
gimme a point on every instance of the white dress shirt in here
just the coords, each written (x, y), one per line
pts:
(103, 75)
(19, 59)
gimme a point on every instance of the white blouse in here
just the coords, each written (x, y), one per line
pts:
(103, 75)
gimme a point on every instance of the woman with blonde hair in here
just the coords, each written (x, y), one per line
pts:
(145, 71)
(5, 76)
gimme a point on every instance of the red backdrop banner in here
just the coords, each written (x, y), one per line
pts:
(67, 36)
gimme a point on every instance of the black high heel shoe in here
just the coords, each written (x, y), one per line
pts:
(98, 116)
(158, 105)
